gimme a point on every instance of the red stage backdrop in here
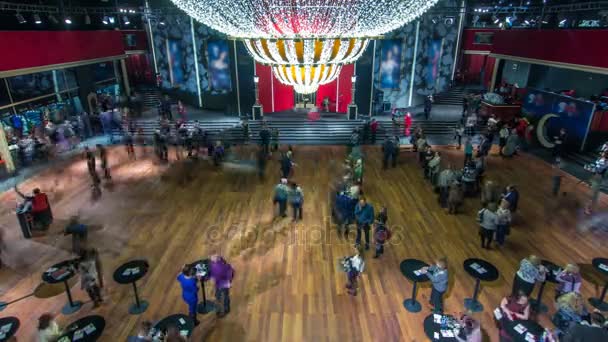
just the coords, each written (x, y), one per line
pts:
(282, 96)
(39, 48)
(338, 91)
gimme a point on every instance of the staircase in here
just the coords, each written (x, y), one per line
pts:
(293, 132)
(451, 97)
(151, 97)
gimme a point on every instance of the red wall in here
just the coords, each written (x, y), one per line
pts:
(582, 47)
(468, 39)
(341, 91)
(264, 73)
(283, 94)
(26, 49)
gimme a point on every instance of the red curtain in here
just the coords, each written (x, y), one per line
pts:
(139, 69)
(283, 96)
(272, 90)
(264, 86)
(345, 87)
(328, 90)
(338, 91)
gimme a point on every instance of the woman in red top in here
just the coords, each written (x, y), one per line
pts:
(40, 206)
(514, 307)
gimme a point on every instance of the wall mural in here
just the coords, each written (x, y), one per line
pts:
(218, 56)
(434, 61)
(174, 54)
(390, 64)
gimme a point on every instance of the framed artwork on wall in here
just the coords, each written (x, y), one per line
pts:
(390, 64)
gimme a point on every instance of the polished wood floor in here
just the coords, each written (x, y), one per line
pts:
(287, 285)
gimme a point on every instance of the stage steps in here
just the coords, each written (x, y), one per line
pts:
(453, 96)
(297, 131)
(151, 97)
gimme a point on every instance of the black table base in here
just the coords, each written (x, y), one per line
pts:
(71, 306)
(140, 306)
(411, 304)
(599, 303)
(537, 304)
(205, 306)
(472, 303)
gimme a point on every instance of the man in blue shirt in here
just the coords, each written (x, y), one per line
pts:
(364, 215)
(189, 283)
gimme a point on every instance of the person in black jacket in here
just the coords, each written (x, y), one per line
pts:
(595, 332)
(389, 151)
(265, 138)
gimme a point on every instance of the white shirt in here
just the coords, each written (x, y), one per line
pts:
(50, 333)
(357, 263)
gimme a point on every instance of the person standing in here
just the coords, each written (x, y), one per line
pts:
(373, 126)
(488, 220)
(129, 146)
(364, 216)
(503, 134)
(103, 156)
(90, 156)
(91, 277)
(189, 284)
(420, 148)
(223, 274)
(530, 272)
(596, 185)
(286, 165)
(503, 215)
(181, 110)
(556, 178)
(438, 275)
(458, 132)
(275, 139)
(381, 233)
(296, 199)
(428, 103)
(354, 266)
(559, 141)
(265, 138)
(261, 163)
(569, 280)
(245, 128)
(444, 181)
(511, 195)
(468, 150)
(407, 124)
(358, 171)
(388, 152)
(281, 193)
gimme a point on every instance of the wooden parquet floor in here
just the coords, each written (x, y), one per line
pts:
(287, 285)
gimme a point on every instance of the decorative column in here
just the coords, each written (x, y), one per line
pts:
(352, 107)
(257, 112)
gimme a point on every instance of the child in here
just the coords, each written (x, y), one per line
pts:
(381, 235)
(438, 274)
(353, 266)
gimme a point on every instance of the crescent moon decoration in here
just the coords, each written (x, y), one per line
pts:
(541, 131)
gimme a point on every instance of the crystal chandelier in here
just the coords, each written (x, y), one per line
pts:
(305, 41)
(306, 79)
